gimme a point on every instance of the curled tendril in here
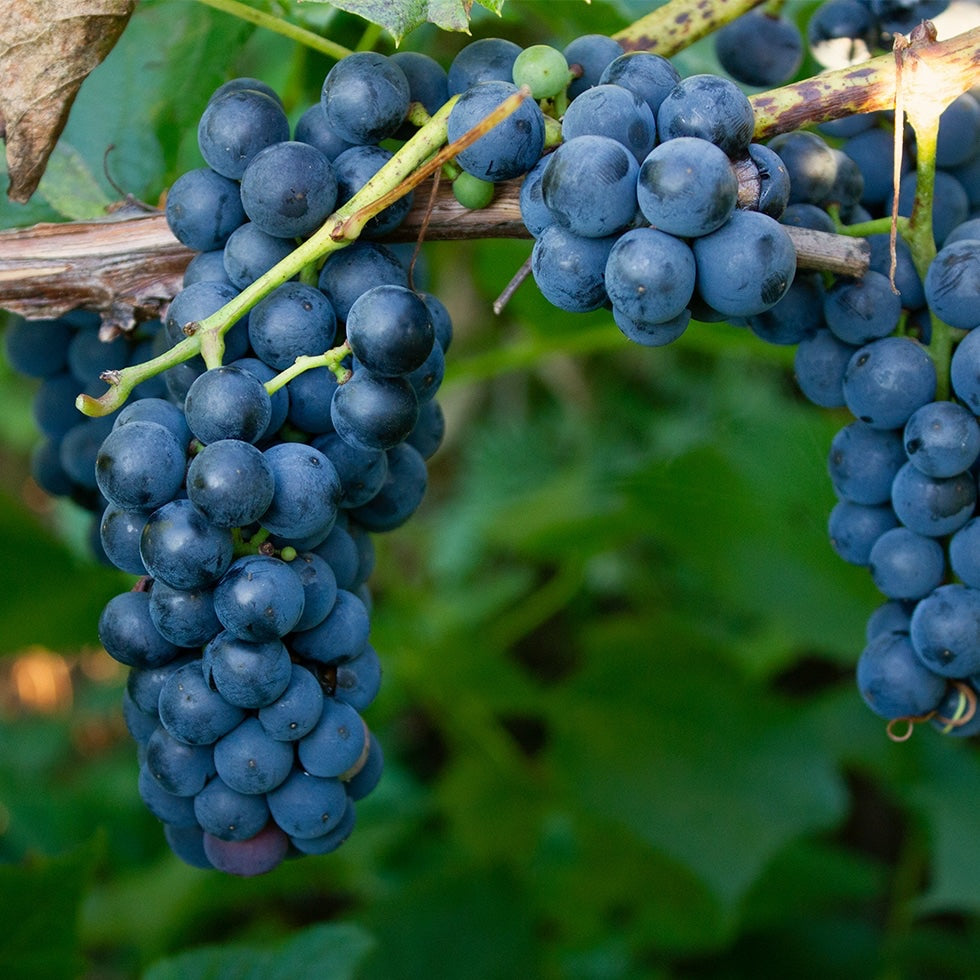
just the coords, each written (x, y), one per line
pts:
(966, 708)
(910, 721)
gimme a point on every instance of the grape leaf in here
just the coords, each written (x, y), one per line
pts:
(332, 951)
(46, 51)
(400, 18)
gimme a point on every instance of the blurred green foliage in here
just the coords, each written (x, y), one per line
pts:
(621, 730)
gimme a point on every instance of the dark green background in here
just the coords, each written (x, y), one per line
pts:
(622, 734)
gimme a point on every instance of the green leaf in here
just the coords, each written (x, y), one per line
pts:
(400, 18)
(70, 187)
(323, 952)
(38, 574)
(41, 898)
(721, 762)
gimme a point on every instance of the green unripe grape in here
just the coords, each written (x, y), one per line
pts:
(472, 192)
(543, 69)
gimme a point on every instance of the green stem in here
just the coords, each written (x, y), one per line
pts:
(279, 26)
(330, 359)
(877, 226)
(680, 23)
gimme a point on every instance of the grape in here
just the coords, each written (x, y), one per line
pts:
(174, 811)
(592, 53)
(306, 805)
(279, 401)
(199, 301)
(307, 491)
(390, 331)
(250, 253)
(945, 631)
(485, 60)
(230, 482)
(235, 126)
(288, 189)
(428, 81)
(250, 761)
(863, 461)
(810, 164)
(374, 411)
(534, 212)
(227, 403)
(245, 82)
(336, 743)
(319, 588)
(906, 565)
(313, 128)
(950, 204)
(613, 111)
(119, 532)
(176, 767)
(952, 284)
(931, 505)
(803, 215)
(589, 186)
(966, 229)
(650, 276)
(543, 69)
(341, 636)
(330, 841)
(399, 495)
(647, 75)
(359, 680)
(365, 97)
(37, 348)
(186, 618)
(361, 470)
(156, 410)
(248, 675)
(892, 616)
(773, 180)
(651, 334)
(964, 553)
(427, 377)
(854, 529)
(310, 400)
(430, 429)
(140, 466)
(868, 149)
(127, 632)
(191, 711)
(340, 551)
(259, 598)
(959, 132)
(471, 192)
(861, 310)
(255, 856)
(798, 315)
(686, 187)
(841, 33)
(357, 268)
(887, 380)
(746, 266)
(893, 681)
(711, 108)
(296, 710)
(942, 439)
(760, 49)
(181, 548)
(570, 270)
(359, 785)
(203, 209)
(354, 168)
(188, 844)
(965, 371)
(228, 814)
(509, 149)
(293, 320)
(907, 280)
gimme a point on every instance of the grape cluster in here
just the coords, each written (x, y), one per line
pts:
(637, 209)
(247, 508)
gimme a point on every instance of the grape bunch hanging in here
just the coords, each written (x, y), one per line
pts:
(242, 486)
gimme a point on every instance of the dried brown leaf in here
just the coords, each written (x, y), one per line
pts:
(47, 48)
